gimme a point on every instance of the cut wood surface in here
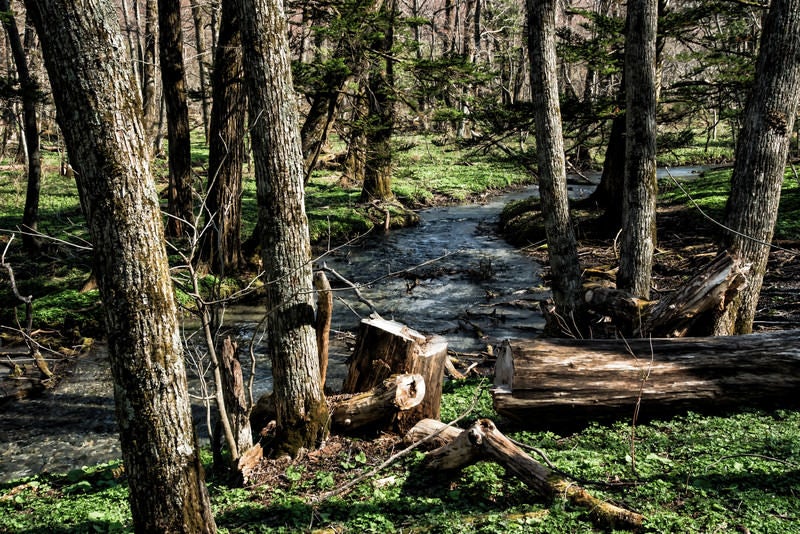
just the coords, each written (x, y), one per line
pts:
(381, 403)
(549, 382)
(483, 441)
(384, 348)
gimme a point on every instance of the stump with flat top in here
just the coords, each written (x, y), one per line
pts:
(384, 348)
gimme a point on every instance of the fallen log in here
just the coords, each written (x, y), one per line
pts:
(541, 381)
(384, 348)
(484, 441)
(381, 403)
(676, 314)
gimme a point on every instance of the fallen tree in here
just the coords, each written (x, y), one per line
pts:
(571, 382)
(483, 441)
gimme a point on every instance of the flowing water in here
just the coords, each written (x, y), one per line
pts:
(451, 276)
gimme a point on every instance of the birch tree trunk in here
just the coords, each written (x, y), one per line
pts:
(761, 158)
(99, 113)
(641, 188)
(562, 246)
(286, 249)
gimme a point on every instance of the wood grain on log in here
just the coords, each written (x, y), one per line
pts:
(563, 381)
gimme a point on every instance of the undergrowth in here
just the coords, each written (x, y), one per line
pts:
(693, 473)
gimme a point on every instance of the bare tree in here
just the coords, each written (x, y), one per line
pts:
(561, 244)
(286, 249)
(641, 188)
(29, 93)
(761, 158)
(173, 81)
(99, 112)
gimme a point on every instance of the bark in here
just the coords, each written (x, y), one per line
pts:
(323, 325)
(222, 243)
(173, 80)
(761, 155)
(562, 246)
(236, 406)
(565, 384)
(380, 121)
(483, 441)
(99, 114)
(286, 248)
(29, 93)
(639, 198)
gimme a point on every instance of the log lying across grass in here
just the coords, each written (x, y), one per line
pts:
(483, 441)
(381, 403)
(544, 381)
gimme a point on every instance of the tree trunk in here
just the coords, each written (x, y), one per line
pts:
(562, 246)
(484, 441)
(29, 91)
(150, 100)
(761, 157)
(173, 80)
(323, 324)
(385, 348)
(99, 115)
(286, 248)
(236, 406)
(199, 18)
(563, 384)
(380, 121)
(639, 199)
(222, 242)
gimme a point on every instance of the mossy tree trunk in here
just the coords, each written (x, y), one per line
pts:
(286, 249)
(761, 158)
(380, 121)
(99, 113)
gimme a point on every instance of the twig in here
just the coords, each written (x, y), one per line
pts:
(347, 487)
(352, 286)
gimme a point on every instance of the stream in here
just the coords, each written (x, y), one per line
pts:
(451, 275)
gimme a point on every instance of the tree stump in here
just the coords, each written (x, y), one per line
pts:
(396, 394)
(560, 383)
(384, 348)
(484, 441)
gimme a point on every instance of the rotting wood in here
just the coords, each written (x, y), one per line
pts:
(427, 427)
(560, 383)
(484, 441)
(381, 403)
(323, 326)
(384, 348)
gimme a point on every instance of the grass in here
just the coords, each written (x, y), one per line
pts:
(690, 474)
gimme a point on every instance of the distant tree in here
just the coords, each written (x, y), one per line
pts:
(29, 92)
(200, 18)
(761, 154)
(151, 103)
(173, 81)
(380, 103)
(561, 244)
(99, 112)
(222, 245)
(286, 250)
(641, 188)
